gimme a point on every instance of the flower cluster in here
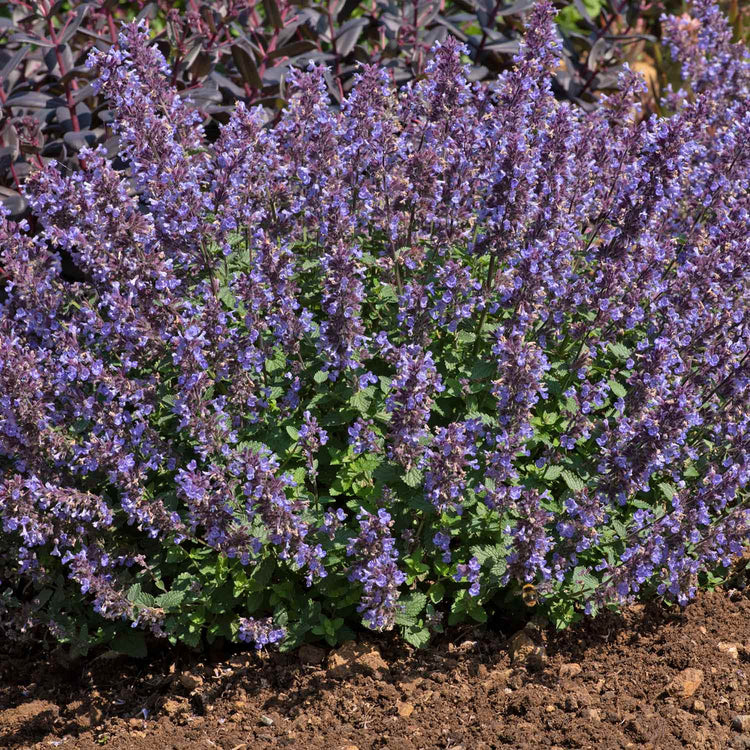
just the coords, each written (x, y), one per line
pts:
(470, 572)
(376, 568)
(260, 632)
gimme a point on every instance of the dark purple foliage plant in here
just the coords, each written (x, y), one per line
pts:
(382, 364)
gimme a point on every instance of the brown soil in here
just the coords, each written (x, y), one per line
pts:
(650, 679)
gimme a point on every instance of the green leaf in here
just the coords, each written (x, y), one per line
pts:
(668, 490)
(562, 613)
(574, 482)
(320, 377)
(466, 337)
(276, 363)
(255, 601)
(361, 400)
(413, 478)
(620, 528)
(476, 611)
(483, 370)
(619, 350)
(491, 557)
(170, 600)
(413, 604)
(387, 292)
(618, 389)
(340, 416)
(416, 635)
(293, 432)
(436, 593)
(552, 472)
(139, 597)
(227, 297)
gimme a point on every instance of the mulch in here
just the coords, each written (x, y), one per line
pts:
(653, 678)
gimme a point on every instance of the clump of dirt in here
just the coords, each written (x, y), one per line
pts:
(650, 678)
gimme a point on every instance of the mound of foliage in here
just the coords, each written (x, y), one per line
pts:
(224, 51)
(383, 364)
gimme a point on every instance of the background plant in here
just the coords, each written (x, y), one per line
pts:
(382, 364)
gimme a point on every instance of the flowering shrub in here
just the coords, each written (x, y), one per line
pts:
(384, 363)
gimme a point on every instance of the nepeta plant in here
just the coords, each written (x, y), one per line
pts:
(386, 361)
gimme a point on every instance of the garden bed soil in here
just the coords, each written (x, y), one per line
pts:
(652, 678)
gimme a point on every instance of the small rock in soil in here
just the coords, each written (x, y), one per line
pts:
(190, 681)
(699, 707)
(686, 683)
(570, 670)
(172, 707)
(409, 686)
(405, 710)
(525, 651)
(356, 657)
(741, 723)
(730, 649)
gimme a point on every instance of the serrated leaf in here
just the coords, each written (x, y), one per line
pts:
(619, 350)
(134, 591)
(227, 298)
(552, 472)
(617, 388)
(254, 601)
(477, 613)
(361, 400)
(320, 377)
(668, 490)
(619, 528)
(574, 482)
(342, 416)
(436, 593)
(387, 292)
(293, 432)
(413, 477)
(139, 597)
(412, 605)
(417, 636)
(276, 363)
(483, 370)
(466, 337)
(170, 599)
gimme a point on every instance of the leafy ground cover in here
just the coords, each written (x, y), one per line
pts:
(615, 682)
